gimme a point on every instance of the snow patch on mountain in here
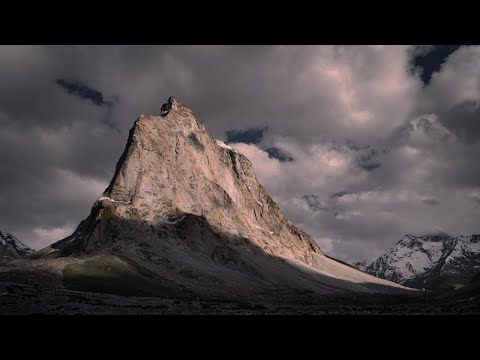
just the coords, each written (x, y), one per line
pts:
(419, 260)
(12, 248)
(225, 146)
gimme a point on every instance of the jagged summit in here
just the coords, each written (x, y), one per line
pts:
(188, 209)
(171, 167)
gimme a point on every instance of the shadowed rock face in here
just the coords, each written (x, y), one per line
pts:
(167, 106)
(190, 209)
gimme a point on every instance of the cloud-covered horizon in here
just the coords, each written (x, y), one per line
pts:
(358, 145)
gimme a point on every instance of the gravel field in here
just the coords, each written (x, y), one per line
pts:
(19, 299)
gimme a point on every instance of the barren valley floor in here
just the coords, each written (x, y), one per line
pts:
(19, 299)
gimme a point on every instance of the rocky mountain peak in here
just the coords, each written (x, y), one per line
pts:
(434, 260)
(171, 167)
(11, 248)
(188, 209)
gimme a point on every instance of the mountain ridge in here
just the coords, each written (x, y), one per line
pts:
(12, 248)
(436, 261)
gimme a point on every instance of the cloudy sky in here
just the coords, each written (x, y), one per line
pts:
(358, 145)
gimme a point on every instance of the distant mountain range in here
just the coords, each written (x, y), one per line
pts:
(435, 261)
(11, 248)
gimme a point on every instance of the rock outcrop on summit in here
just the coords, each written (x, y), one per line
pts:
(186, 211)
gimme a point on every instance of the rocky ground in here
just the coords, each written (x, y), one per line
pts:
(19, 299)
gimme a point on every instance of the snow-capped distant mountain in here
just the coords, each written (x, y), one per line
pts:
(432, 261)
(361, 265)
(11, 248)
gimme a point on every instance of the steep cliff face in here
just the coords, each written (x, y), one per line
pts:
(189, 209)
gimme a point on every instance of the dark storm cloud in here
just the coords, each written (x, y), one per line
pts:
(256, 136)
(370, 167)
(248, 136)
(276, 153)
(475, 197)
(96, 97)
(314, 203)
(369, 160)
(353, 146)
(430, 201)
(464, 120)
(83, 91)
(339, 194)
